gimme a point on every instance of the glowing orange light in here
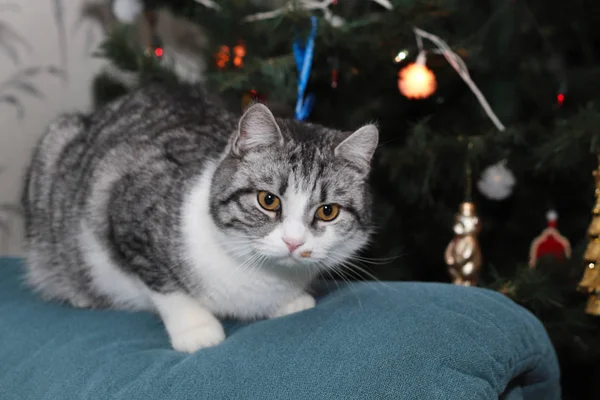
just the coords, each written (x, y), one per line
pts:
(222, 57)
(416, 81)
(239, 51)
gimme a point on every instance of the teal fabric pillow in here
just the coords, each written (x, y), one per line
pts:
(363, 341)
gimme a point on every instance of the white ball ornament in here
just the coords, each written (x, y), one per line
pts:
(496, 181)
(127, 10)
(336, 21)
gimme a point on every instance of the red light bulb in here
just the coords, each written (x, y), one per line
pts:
(560, 99)
(158, 52)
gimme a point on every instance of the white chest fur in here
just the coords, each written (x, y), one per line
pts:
(227, 286)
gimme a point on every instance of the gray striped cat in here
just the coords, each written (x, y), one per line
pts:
(164, 201)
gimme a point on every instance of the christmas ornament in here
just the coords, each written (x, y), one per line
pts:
(590, 282)
(549, 243)
(416, 81)
(303, 56)
(463, 254)
(127, 10)
(496, 181)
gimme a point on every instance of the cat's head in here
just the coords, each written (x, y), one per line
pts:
(294, 193)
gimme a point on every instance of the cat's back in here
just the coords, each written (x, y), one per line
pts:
(158, 118)
(180, 125)
(149, 140)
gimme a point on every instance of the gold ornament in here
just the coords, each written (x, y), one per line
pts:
(590, 282)
(463, 254)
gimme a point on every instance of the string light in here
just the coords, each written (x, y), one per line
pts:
(239, 52)
(401, 56)
(416, 81)
(223, 57)
(560, 98)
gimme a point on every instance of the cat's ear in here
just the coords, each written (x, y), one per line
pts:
(257, 128)
(359, 147)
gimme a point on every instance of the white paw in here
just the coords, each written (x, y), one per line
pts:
(301, 303)
(192, 339)
(191, 327)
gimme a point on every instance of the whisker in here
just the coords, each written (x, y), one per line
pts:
(325, 268)
(375, 261)
(349, 265)
(350, 284)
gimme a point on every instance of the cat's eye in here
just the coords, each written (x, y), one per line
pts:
(269, 201)
(328, 212)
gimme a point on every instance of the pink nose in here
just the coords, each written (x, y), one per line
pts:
(292, 244)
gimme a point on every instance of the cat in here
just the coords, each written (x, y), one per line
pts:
(164, 201)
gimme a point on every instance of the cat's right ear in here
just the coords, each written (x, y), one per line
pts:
(257, 128)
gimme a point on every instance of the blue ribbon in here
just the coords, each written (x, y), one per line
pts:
(304, 56)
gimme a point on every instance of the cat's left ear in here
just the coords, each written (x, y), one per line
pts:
(257, 128)
(359, 147)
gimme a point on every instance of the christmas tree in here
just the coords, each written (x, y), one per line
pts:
(490, 102)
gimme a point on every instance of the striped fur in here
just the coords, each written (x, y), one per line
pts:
(151, 203)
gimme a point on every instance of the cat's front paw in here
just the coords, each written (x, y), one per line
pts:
(194, 338)
(300, 303)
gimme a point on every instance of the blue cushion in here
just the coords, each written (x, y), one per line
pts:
(363, 341)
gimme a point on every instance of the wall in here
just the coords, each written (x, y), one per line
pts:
(34, 21)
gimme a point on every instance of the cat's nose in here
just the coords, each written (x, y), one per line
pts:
(292, 244)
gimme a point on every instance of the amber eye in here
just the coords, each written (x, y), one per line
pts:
(328, 212)
(269, 201)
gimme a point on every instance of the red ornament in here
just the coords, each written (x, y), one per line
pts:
(158, 52)
(549, 242)
(560, 99)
